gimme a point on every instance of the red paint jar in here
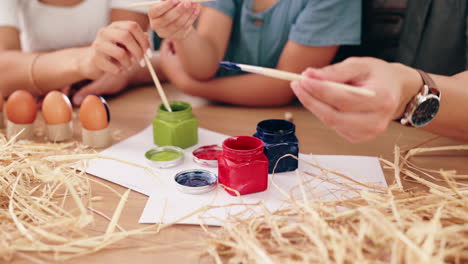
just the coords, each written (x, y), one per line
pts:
(243, 166)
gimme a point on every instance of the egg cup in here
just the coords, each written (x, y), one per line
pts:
(2, 120)
(2, 113)
(96, 138)
(13, 129)
(59, 132)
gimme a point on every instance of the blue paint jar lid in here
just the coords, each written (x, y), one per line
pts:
(165, 157)
(195, 181)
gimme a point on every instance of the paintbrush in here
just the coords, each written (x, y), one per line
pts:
(151, 3)
(289, 76)
(157, 83)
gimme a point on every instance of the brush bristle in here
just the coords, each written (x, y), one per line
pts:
(229, 65)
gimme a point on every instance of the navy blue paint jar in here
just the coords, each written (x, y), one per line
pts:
(279, 139)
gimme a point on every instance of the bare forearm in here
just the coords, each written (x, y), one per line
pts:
(198, 56)
(452, 119)
(200, 50)
(50, 71)
(248, 90)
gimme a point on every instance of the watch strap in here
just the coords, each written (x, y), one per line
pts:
(427, 79)
(429, 87)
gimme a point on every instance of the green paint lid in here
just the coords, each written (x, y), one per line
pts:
(165, 157)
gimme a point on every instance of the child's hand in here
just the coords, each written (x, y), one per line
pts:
(115, 50)
(173, 19)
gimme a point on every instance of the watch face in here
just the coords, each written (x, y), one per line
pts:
(425, 112)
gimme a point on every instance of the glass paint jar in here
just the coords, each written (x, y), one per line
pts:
(243, 166)
(177, 128)
(279, 139)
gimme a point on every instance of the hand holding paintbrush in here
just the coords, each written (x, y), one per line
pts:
(164, 16)
(353, 116)
(173, 19)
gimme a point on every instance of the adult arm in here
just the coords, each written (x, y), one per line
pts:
(359, 118)
(452, 119)
(16, 72)
(56, 69)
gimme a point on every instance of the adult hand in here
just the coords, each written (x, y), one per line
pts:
(115, 50)
(356, 117)
(173, 19)
(106, 84)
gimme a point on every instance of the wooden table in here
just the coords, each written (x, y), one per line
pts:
(133, 111)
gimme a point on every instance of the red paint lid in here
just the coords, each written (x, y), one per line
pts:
(207, 155)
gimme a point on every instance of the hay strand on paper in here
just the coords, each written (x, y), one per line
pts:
(375, 227)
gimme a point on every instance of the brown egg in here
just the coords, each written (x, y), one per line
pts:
(56, 108)
(94, 113)
(21, 107)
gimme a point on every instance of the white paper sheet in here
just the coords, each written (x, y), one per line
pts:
(166, 204)
(133, 150)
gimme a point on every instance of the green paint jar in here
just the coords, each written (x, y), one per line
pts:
(177, 128)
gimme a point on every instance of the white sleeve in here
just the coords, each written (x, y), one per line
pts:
(9, 13)
(123, 4)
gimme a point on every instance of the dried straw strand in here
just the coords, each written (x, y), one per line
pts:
(375, 227)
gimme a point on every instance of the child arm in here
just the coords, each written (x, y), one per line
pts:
(199, 50)
(204, 48)
(251, 89)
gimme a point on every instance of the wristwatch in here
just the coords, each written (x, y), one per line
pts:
(424, 106)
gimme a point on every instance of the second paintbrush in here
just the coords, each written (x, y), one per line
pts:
(289, 76)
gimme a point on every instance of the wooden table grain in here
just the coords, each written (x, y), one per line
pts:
(133, 111)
